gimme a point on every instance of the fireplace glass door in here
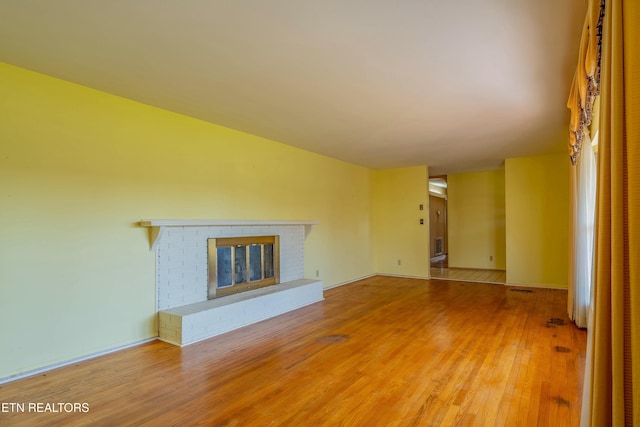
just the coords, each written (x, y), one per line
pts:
(241, 264)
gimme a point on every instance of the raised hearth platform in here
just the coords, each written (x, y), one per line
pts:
(195, 322)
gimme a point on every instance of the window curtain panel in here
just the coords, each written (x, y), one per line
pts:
(584, 91)
(611, 394)
(583, 190)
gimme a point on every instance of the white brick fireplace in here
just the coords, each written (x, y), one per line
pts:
(185, 314)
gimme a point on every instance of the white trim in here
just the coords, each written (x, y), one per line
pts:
(349, 281)
(373, 275)
(521, 285)
(212, 222)
(157, 227)
(403, 276)
(73, 361)
(468, 281)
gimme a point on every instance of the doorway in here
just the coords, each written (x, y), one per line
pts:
(438, 221)
(459, 254)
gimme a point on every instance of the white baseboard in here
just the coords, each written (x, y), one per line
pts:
(467, 281)
(373, 275)
(403, 276)
(520, 285)
(72, 361)
(349, 281)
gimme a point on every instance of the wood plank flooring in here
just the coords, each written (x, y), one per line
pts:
(379, 352)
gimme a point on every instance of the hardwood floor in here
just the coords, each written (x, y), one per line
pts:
(379, 352)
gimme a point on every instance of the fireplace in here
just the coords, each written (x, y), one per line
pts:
(198, 261)
(240, 264)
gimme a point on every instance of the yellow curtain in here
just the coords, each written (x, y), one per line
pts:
(612, 379)
(585, 87)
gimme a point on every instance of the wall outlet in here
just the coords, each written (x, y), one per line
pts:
(490, 257)
(399, 262)
(317, 273)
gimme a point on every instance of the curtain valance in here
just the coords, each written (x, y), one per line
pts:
(586, 80)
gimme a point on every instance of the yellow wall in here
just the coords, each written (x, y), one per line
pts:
(537, 212)
(78, 169)
(476, 220)
(397, 233)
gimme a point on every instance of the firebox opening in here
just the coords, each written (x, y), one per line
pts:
(239, 264)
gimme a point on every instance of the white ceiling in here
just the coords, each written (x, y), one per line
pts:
(458, 85)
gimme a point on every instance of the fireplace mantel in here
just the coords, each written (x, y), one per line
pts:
(157, 227)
